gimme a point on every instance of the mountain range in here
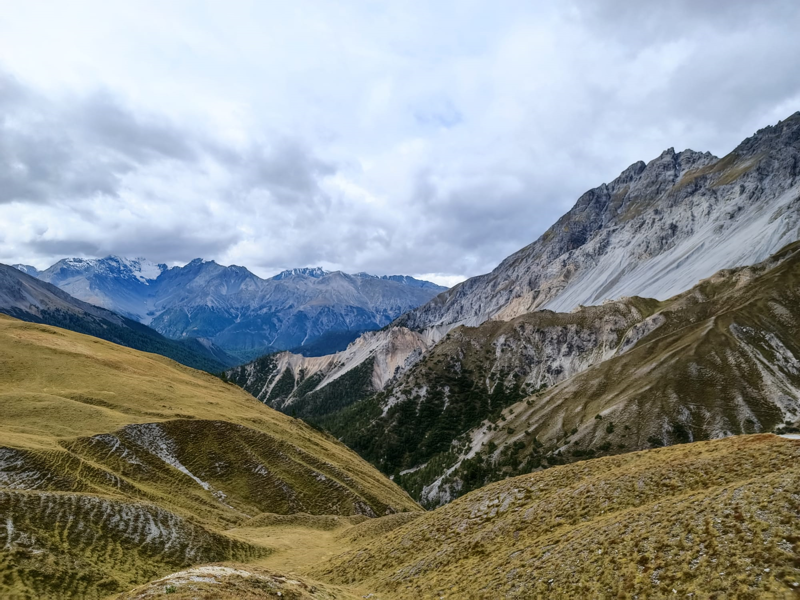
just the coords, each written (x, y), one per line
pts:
(590, 420)
(242, 314)
(637, 307)
(29, 299)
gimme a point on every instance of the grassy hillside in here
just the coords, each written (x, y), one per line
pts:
(716, 519)
(117, 466)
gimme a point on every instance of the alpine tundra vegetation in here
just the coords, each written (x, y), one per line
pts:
(124, 473)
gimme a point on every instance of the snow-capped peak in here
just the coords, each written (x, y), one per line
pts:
(27, 269)
(315, 272)
(140, 269)
(144, 270)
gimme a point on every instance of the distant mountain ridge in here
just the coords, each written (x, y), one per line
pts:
(29, 299)
(237, 310)
(27, 269)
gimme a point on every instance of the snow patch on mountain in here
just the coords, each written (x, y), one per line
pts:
(27, 269)
(144, 270)
(315, 272)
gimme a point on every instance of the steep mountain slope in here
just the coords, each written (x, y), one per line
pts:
(722, 358)
(238, 311)
(312, 387)
(654, 231)
(118, 466)
(414, 429)
(29, 299)
(709, 520)
(510, 397)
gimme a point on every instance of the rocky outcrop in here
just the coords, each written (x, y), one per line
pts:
(282, 380)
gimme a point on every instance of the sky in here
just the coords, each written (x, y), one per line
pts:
(428, 138)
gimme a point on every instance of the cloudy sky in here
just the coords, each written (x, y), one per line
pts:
(429, 138)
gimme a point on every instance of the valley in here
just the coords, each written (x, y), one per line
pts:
(611, 413)
(489, 382)
(126, 475)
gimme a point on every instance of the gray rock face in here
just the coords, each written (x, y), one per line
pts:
(654, 231)
(288, 382)
(237, 310)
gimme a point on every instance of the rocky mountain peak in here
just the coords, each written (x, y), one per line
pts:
(647, 233)
(139, 269)
(199, 262)
(631, 172)
(315, 272)
(783, 134)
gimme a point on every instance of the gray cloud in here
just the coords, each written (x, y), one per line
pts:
(103, 122)
(416, 138)
(51, 152)
(287, 170)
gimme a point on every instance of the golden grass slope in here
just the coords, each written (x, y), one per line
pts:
(58, 388)
(118, 466)
(718, 519)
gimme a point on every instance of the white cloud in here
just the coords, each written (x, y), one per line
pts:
(424, 138)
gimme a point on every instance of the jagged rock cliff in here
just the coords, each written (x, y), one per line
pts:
(654, 231)
(295, 383)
